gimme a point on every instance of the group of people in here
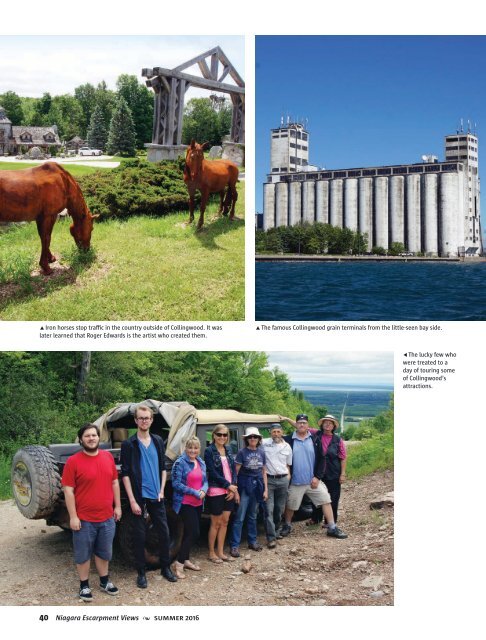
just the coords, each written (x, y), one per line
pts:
(273, 474)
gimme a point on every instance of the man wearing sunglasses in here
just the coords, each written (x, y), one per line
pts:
(144, 476)
(304, 480)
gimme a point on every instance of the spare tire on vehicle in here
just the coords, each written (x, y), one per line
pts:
(36, 482)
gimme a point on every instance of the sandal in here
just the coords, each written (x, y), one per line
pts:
(190, 565)
(216, 560)
(178, 569)
(226, 559)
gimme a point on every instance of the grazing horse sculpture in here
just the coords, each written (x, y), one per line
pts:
(210, 176)
(40, 194)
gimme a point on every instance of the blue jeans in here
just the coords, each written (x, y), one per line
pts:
(248, 506)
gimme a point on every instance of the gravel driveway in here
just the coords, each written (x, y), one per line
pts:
(36, 565)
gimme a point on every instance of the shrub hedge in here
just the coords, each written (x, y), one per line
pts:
(136, 187)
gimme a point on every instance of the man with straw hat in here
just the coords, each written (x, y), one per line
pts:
(305, 477)
(330, 459)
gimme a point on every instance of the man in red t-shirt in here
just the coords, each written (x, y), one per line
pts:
(92, 493)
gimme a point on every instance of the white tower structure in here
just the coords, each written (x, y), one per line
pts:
(289, 149)
(463, 147)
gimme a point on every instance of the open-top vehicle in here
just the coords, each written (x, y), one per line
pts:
(37, 470)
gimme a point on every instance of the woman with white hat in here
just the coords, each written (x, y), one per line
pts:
(252, 488)
(330, 459)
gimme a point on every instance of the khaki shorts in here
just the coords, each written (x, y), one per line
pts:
(319, 495)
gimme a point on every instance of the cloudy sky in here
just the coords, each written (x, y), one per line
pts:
(329, 369)
(32, 65)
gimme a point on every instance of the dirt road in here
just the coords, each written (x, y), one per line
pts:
(306, 568)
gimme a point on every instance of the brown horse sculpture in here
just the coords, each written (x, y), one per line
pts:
(210, 176)
(40, 194)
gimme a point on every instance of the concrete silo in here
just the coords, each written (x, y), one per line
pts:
(412, 213)
(381, 212)
(295, 203)
(430, 217)
(336, 206)
(268, 206)
(322, 201)
(308, 201)
(397, 209)
(365, 209)
(450, 204)
(281, 204)
(351, 204)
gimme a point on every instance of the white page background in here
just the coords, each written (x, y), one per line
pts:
(440, 442)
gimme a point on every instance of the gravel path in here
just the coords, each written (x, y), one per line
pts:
(306, 568)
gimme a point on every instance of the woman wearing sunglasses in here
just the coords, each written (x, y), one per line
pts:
(222, 493)
(252, 487)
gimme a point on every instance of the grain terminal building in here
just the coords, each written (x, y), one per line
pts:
(431, 207)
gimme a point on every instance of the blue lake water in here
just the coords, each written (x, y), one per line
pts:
(370, 291)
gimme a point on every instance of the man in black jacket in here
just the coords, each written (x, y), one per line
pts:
(306, 477)
(330, 462)
(144, 476)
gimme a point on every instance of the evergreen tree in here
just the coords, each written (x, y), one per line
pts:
(121, 137)
(140, 101)
(97, 134)
(105, 99)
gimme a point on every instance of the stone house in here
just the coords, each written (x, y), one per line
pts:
(19, 139)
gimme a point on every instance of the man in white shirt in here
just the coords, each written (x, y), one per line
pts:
(279, 458)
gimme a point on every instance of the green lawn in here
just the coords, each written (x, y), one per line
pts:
(140, 269)
(74, 169)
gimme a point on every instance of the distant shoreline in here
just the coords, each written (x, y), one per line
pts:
(294, 257)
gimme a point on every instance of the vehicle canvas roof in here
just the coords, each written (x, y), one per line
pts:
(181, 418)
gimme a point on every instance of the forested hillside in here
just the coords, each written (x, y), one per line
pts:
(46, 396)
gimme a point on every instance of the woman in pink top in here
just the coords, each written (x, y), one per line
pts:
(190, 485)
(222, 492)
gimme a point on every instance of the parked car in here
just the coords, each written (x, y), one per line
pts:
(37, 470)
(86, 151)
